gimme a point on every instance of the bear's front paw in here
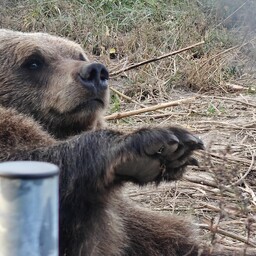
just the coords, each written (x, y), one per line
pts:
(158, 154)
(175, 161)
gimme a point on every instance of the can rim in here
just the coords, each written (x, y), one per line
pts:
(28, 170)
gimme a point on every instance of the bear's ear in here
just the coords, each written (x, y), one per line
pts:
(34, 62)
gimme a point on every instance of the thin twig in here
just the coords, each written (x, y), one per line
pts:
(200, 180)
(231, 99)
(221, 53)
(238, 251)
(228, 234)
(155, 59)
(247, 172)
(217, 209)
(235, 11)
(149, 109)
(126, 97)
(250, 191)
(230, 125)
(229, 158)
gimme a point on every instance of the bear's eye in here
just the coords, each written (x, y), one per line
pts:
(33, 63)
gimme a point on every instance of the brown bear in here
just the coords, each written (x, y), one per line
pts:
(52, 101)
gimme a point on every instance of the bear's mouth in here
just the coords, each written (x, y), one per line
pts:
(89, 105)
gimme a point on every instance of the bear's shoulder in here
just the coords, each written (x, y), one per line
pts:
(19, 132)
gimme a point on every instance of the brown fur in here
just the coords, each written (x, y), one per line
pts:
(51, 108)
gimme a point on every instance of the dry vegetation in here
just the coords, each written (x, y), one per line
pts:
(216, 82)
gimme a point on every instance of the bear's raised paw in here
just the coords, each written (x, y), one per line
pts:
(158, 154)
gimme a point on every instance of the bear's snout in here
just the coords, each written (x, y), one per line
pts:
(93, 76)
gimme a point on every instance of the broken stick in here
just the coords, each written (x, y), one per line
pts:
(149, 109)
(155, 59)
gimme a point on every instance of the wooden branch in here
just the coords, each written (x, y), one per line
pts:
(149, 109)
(155, 59)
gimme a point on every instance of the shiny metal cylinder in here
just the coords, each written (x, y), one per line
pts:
(28, 209)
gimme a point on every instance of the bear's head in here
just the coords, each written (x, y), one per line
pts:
(51, 79)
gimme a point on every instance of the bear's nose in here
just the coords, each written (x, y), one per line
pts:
(94, 75)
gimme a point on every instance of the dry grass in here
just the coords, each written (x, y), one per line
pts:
(219, 76)
(221, 193)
